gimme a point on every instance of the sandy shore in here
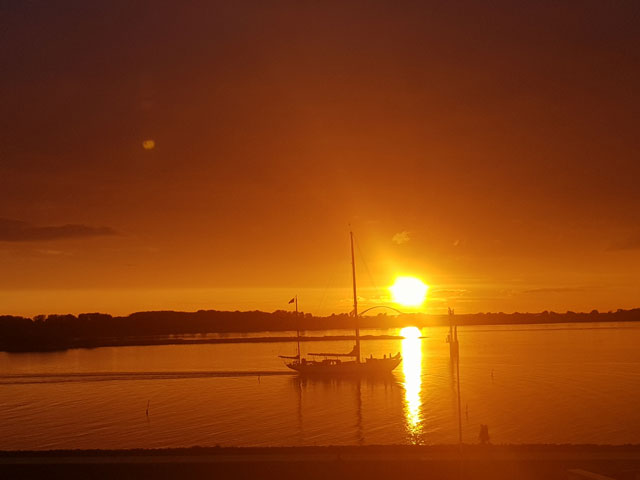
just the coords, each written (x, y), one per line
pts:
(384, 462)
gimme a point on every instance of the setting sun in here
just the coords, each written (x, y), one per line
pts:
(409, 291)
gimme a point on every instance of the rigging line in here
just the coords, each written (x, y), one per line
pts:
(366, 267)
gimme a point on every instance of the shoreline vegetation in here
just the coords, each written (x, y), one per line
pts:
(91, 330)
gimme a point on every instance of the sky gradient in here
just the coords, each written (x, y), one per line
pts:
(490, 149)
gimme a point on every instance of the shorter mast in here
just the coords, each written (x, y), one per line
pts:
(298, 327)
(355, 300)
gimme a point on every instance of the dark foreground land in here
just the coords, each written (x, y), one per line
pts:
(353, 463)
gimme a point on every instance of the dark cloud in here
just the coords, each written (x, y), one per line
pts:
(18, 231)
(632, 242)
(554, 290)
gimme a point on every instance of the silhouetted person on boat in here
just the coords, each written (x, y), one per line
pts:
(484, 434)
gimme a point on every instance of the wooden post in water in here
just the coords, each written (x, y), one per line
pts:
(454, 348)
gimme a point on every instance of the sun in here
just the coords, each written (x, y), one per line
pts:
(409, 291)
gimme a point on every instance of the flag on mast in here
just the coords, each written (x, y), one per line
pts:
(292, 300)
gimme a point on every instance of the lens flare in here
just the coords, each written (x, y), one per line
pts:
(149, 144)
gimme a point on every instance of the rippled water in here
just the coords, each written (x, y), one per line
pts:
(530, 384)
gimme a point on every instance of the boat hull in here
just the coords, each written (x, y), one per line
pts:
(376, 366)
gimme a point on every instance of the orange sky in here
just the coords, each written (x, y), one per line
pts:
(502, 139)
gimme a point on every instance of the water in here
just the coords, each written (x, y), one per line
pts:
(530, 384)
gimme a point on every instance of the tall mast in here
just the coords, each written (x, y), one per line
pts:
(355, 299)
(298, 327)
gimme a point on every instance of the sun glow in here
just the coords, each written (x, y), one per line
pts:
(409, 291)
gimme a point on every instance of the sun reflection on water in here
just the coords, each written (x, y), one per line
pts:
(412, 369)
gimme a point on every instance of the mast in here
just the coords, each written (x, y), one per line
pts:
(298, 327)
(355, 299)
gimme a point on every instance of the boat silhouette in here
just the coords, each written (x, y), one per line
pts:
(332, 363)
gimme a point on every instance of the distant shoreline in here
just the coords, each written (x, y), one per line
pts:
(94, 330)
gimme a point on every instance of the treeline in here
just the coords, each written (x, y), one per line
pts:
(55, 332)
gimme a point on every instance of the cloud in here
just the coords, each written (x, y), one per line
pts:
(18, 231)
(401, 238)
(554, 290)
(447, 292)
(50, 252)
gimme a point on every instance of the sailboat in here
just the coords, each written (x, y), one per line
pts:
(333, 363)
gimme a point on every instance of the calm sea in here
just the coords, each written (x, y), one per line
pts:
(529, 384)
